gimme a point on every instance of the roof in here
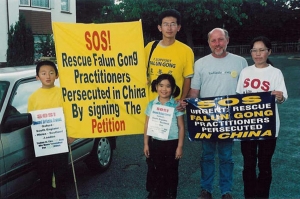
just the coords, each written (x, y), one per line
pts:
(17, 69)
(17, 72)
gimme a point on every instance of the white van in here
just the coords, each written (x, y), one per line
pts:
(17, 160)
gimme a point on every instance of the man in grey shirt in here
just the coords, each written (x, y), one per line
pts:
(216, 75)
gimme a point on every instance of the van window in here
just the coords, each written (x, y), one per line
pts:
(3, 89)
(22, 93)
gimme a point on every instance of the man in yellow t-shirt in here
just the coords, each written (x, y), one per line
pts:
(170, 55)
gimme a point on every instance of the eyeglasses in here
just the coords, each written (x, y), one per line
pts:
(172, 25)
(259, 50)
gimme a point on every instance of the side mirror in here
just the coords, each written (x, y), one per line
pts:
(17, 121)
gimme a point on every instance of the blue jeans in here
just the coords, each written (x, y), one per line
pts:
(225, 165)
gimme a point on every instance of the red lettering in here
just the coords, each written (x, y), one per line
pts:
(96, 125)
(96, 43)
(162, 109)
(87, 36)
(265, 86)
(104, 41)
(97, 40)
(256, 83)
(246, 82)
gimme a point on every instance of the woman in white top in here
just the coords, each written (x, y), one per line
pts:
(260, 77)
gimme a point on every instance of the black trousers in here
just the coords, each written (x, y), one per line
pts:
(261, 152)
(162, 175)
(47, 165)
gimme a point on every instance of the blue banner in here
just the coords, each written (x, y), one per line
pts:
(233, 117)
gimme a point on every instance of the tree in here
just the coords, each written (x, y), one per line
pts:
(195, 15)
(274, 19)
(90, 11)
(244, 19)
(292, 4)
(46, 46)
(20, 44)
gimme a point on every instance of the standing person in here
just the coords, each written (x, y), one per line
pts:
(49, 96)
(216, 75)
(269, 78)
(165, 153)
(170, 57)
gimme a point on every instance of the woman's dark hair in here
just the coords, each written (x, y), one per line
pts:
(170, 78)
(267, 43)
(169, 13)
(43, 63)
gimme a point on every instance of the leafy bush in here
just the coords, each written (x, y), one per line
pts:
(46, 46)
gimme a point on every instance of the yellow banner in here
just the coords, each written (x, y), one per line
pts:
(103, 78)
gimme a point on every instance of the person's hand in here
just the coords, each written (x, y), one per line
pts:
(146, 151)
(70, 140)
(278, 95)
(181, 105)
(178, 153)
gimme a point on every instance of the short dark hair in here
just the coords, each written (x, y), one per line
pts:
(263, 39)
(267, 43)
(169, 13)
(43, 63)
(175, 89)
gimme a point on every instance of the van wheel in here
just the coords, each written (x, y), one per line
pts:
(101, 156)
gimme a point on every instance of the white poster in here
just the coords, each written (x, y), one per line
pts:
(49, 132)
(160, 121)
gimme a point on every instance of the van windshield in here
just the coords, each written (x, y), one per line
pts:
(3, 89)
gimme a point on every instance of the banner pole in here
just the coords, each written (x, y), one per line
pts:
(72, 163)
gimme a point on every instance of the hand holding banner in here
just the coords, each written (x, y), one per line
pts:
(232, 117)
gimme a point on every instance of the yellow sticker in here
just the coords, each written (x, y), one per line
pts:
(234, 74)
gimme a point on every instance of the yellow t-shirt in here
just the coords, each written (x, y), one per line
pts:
(176, 59)
(45, 98)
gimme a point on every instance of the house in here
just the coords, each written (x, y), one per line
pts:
(39, 14)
